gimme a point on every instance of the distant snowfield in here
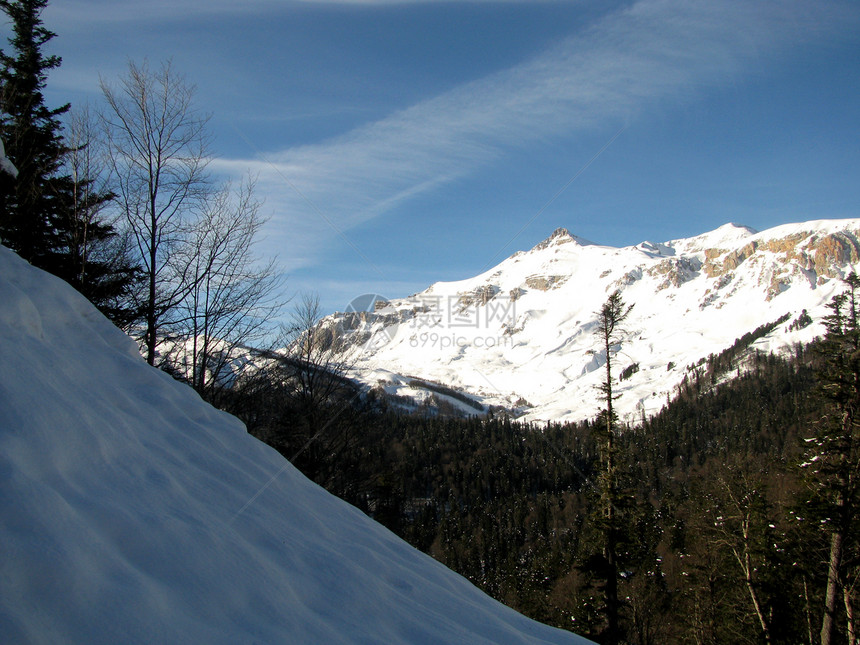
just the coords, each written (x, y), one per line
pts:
(521, 335)
(132, 512)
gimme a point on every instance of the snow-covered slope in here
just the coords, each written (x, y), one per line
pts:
(132, 512)
(521, 334)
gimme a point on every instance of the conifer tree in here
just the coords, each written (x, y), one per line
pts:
(610, 319)
(31, 206)
(50, 213)
(833, 453)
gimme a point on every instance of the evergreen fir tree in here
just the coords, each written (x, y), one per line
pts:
(48, 215)
(833, 453)
(610, 318)
(31, 206)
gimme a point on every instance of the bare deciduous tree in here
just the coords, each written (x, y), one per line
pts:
(100, 264)
(233, 294)
(316, 359)
(740, 517)
(84, 165)
(319, 400)
(158, 153)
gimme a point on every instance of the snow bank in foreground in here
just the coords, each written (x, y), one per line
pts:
(133, 512)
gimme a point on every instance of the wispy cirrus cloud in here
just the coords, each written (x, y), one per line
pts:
(83, 13)
(654, 50)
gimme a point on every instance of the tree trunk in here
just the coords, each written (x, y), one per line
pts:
(744, 559)
(610, 548)
(754, 597)
(832, 592)
(151, 322)
(612, 631)
(151, 318)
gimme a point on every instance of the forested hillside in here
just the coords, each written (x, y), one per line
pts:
(718, 543)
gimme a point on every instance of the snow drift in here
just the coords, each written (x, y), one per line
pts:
(133, 512)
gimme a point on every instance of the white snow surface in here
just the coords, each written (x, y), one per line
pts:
(133, 512)
(521, 335)
(6, 164)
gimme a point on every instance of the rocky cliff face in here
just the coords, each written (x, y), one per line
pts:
(523, 331)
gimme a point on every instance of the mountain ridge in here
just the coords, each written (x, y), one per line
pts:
(519, 335)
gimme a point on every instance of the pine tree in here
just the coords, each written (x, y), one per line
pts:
(50, 213)
(833, 453)
(31, 207)
(610, 319)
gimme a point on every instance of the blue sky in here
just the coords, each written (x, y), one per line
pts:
(400, 143)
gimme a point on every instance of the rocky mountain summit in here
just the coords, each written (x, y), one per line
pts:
(521, 335)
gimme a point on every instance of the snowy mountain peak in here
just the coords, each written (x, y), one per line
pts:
(727, 235)
(732, 228)
(560, 236)
(520, 335)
